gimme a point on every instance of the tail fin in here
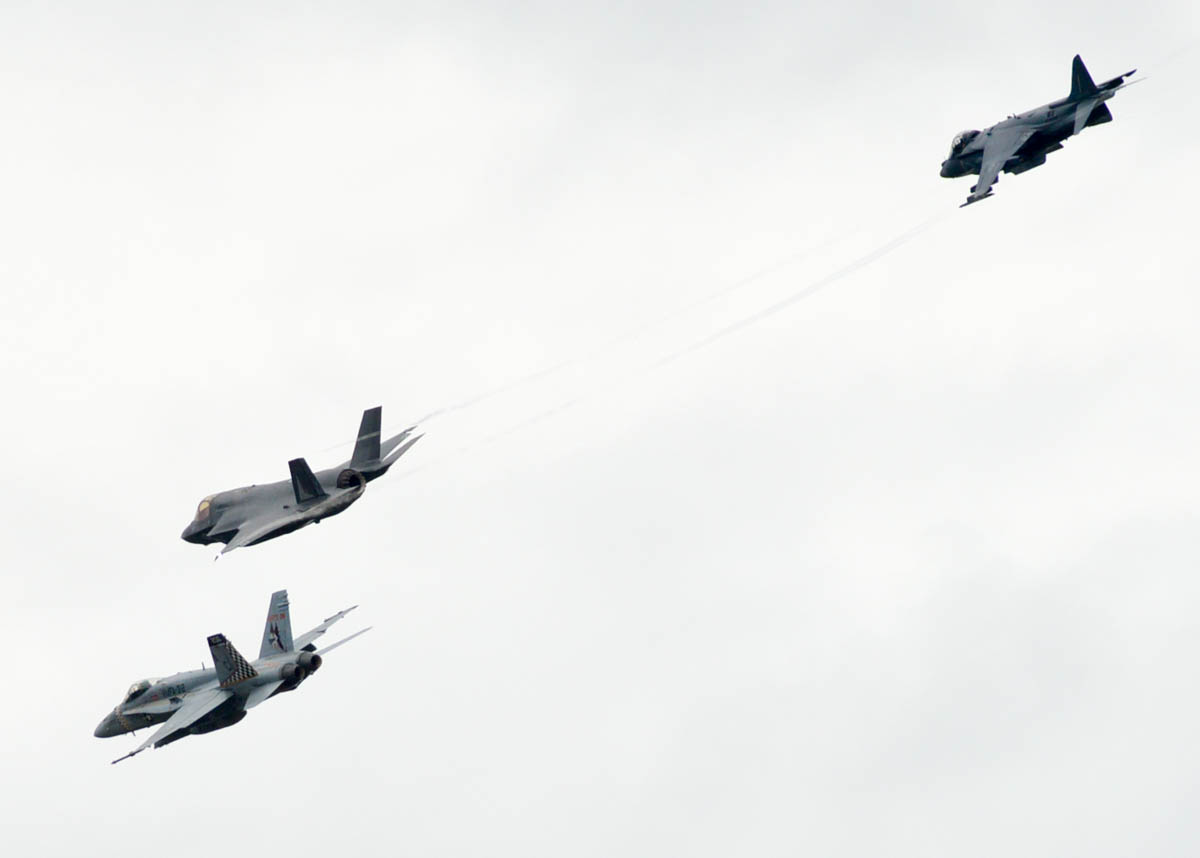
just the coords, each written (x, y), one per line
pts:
(1082, 85)
(366, 449)
(277, 634)
(304, 484)
(231, 667)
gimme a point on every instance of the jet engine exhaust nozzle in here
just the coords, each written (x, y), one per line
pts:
(309, 662)
(292, 674)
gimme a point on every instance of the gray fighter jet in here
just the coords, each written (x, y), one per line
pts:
(1022, 142)
(254, 514)
(200, 701)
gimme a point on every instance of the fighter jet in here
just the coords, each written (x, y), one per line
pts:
(254, 514)
(200, 701)
(1022, 142)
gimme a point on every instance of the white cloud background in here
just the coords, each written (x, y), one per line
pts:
(909, 567)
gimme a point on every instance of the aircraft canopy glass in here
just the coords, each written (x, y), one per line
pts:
(961, 139)
(138, 689)
(204, 508)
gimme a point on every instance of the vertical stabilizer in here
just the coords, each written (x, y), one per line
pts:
(232, 668)
(1082, 85)
(277, 634)
(366, 448)
(306, 486)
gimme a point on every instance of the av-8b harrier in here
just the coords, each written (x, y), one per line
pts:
(254, 514)
(200, 701)
(1022, 142)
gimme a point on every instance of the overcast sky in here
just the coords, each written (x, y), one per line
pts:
(907, 568)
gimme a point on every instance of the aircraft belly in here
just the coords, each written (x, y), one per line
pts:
(283, 529)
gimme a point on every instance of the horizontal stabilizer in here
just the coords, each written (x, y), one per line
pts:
(306, 486)
(391, 443)
(1116, 82)
(400, 451)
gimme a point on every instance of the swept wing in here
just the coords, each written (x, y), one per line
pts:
(312, 634)
(1001, 144)
(261, 526)
(195, 706)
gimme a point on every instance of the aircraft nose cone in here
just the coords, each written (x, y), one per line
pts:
(108, 727)
(946, 170)
(193, 533)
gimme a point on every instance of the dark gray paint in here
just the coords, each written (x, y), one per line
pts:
(254, 514)
(1021, 142)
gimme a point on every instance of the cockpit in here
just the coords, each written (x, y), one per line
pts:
(137, 690)
(204, 509)
(961, 140)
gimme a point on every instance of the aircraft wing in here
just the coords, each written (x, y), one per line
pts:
(314, 633)
(259, 526)
(195, 706)
(333, 646)
(261, 693)
(1000, 145)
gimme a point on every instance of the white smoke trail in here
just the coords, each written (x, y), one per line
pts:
(741, 324)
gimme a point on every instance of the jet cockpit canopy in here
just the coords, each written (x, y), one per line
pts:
(138, 689)
(204, 508)
(961, 139)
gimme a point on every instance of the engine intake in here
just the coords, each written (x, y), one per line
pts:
(349, 478)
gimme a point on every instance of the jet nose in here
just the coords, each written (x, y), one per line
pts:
(194, 532)
(952, 168)
(108, 727)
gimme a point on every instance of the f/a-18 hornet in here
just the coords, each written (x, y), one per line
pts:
(254, 514)
(1022, 142)
(200, 701)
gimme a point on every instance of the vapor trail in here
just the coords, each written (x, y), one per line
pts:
(745, 322)
(624, 336)
(636, 330)
(811, 289)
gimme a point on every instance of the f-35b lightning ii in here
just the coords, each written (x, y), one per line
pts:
(200, 701)
(1022, 142)
(254, 514)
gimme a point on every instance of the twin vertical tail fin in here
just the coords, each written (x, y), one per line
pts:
(277, 633)
(366, 448)
(373, 456)
(232, 668)
(1082, 85)
(306, 486)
